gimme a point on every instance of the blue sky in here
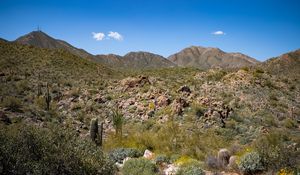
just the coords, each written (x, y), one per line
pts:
(258, 28)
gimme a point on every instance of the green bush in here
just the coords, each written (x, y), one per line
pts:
(119, 154)
(161, 159)
(139, 166)
(190, 170)
(277, 150)
(251, 163)
(32, 150)
(12, 103)
(289, 123)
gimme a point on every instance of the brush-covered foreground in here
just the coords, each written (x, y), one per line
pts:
(193, 122)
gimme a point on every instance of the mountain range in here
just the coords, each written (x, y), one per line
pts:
(194, 56)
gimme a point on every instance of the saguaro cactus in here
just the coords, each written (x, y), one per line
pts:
(94, 129)
(96, 132)
(48, 98)
(100, 140)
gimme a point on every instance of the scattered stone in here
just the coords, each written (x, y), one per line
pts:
(171, 169)
(134, 82)
(178, 105)
(148, 154)
(99, 99)
(163, 101)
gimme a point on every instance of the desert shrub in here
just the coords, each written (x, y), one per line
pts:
(212, 162)
(40, 102)
(289, 123)
(216, 76)
(12, 103)
(139, 166)
(119, 154)
(245, 69)
(22, 86)
(192, 169)
(251, 163)
(32, 150)
(161, 159)
(276, 150)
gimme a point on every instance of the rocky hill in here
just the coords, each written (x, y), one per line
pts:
(205, 58)
(42, 40)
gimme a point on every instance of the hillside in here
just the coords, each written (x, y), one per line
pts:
(42, 40)
(287, 64)
(177, 113)
(146, 60)
(205, 58)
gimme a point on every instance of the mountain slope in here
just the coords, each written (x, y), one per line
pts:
(288, 63)
(42, 40)
(206, 58)
(135, 60)
(146, 60)
(47, 64)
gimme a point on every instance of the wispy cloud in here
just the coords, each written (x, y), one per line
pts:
(218, 33)
(115, 35)
(98, 36)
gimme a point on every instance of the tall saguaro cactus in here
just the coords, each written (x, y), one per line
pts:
(48, 98)
(100, 142)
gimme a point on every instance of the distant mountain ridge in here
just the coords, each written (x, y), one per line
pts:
(194, 56)
(205, 58)
(137, 60)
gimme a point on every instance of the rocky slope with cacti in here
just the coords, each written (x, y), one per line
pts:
(171, 120)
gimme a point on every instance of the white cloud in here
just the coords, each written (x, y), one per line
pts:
(98, 36)
(218, 33)
(115, 35)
